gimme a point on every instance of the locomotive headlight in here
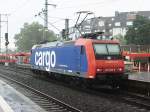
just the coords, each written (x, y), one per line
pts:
(99, 70)
(119, 69)
(91, 76)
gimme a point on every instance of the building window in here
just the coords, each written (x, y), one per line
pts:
(87, 26)
(129, 23)
(120, 30)
(112, 19)
(117, 24)
(131, 16)
(101, 23)
(88, 21)
(109, 24)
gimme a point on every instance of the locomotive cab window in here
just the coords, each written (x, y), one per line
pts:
(100, 49)
(113, 49)
(103, 50)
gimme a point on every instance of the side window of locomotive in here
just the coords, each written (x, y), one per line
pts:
(82, 50)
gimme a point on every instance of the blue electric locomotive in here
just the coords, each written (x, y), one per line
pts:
(83, 58)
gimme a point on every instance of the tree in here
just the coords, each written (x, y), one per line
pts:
(139, 33)
(121, 39)
(30, 35)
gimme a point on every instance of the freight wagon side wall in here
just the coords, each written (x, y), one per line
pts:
(63, 59)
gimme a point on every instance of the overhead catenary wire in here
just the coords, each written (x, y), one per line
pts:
(26, 2)
(57, 18)
(50, 24)
(102, 3)
(56, 21)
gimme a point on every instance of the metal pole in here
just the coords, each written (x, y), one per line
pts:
(0, 34)
(46, 13)
(7, 33)
(148, 69)
(1, 29)
(149, 64)
(67, 28)
(139, 66)
(7, 42)
(45, 20)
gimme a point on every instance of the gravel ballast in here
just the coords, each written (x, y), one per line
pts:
(79, 99)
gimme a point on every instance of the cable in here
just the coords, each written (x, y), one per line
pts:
(57, 18)
(87, 4)
(21, 6)
(56, 21)
(50, 24)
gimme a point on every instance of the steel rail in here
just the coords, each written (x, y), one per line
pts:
(54, 104)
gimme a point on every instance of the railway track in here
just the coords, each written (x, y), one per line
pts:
(140, 101)
(47, 102)
(137, 100)
(134, 99)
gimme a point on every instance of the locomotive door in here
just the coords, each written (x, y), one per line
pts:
(78, 59)
(79, 56)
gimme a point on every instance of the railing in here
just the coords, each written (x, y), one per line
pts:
(136, 48)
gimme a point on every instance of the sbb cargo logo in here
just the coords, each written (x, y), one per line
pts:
(46, 59)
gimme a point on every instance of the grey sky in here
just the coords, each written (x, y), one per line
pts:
(22, 11)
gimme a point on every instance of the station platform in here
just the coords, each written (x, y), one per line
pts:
(13, 101)
(138, 82)
(140, 76)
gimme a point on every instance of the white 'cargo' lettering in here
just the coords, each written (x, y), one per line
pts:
(46, 59)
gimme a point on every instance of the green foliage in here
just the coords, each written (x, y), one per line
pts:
(139, 33)
(121, 39)
(30, 35)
